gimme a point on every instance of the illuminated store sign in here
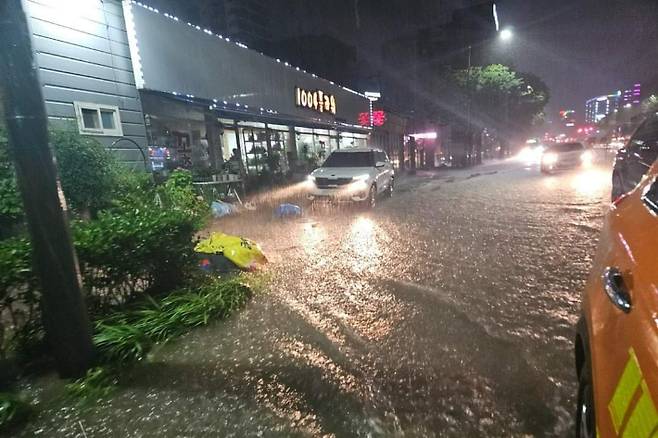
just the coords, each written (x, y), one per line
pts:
(316, 100)
(377, 118)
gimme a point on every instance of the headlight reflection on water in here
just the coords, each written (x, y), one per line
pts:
(311, 237)
(591, 182)
(362, 246)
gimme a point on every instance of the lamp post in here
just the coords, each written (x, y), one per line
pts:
(505, 35)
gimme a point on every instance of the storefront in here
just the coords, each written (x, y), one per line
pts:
(212, 105)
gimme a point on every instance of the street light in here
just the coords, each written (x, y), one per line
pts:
(506, 34)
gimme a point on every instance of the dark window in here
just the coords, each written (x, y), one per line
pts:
(650, 198)
(90, 118)
(380, 157)
(634, 161)
(644, 144)
(566, 147)
(349, 159)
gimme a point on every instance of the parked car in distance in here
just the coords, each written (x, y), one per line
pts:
(562, 156)
(357, 174)
(616, 346)
(633, 160)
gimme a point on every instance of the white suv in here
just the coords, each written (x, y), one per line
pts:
(357, 174)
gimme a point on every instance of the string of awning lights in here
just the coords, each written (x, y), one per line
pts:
(236, 105)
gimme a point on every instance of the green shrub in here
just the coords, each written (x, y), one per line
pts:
(120, 256)
(11, 206)
(87, 170)
(178, 194)
(133, 189)
(18, 289)
(141, 237)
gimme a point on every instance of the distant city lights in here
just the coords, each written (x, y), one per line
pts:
(424, 136)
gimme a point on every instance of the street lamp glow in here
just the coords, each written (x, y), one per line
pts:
(506, 34)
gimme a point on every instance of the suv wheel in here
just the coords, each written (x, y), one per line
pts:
(389, 189)
(585, 418)
(371, 201)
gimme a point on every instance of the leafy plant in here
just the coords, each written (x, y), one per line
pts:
(120, 256)
(133, 189)
(11, 206)
(123, 254)
(119, 341)
(99, 382)
(12, 410)
(178, 194)
(128, 335)
(18, 289)
(87, 170)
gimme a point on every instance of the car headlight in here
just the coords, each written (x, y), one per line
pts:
(587, 158)
(359, 183)
(549, 159)
(310, 178)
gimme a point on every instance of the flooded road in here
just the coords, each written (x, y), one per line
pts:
(448, 310)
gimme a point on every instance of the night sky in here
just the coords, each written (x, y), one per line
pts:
(581, 48)
(584, 48)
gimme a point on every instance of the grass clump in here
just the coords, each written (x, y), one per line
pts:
(12, 411)
(129, 335)
(99, 382)
(126, 337)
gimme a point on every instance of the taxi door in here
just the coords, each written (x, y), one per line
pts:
(623, 300)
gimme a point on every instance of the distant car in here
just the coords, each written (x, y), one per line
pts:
(356, 174)
(616, 345)
(531, 153)
(633, 160)
(565, 156)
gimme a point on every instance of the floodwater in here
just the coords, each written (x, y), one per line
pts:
(446, 311)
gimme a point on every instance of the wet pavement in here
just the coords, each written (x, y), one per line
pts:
(448, 310)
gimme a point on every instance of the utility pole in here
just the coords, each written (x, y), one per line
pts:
(469, 136)
(64, 315)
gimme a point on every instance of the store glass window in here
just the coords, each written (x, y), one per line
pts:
(254, 142)
(184, 142)
(279, 139)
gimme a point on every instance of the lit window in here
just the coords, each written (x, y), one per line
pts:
(96, 119)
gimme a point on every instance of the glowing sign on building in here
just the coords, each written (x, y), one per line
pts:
(378, 118)
(316, 100)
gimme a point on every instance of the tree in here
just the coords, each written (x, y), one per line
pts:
(501, 99)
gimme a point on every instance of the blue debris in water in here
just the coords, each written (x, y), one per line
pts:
(220, 209)
(288, 210)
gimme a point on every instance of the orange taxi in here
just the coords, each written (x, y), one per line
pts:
(617, 336)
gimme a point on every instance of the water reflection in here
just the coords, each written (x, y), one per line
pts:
(312, 235)
(591, 182)
(362, 245)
